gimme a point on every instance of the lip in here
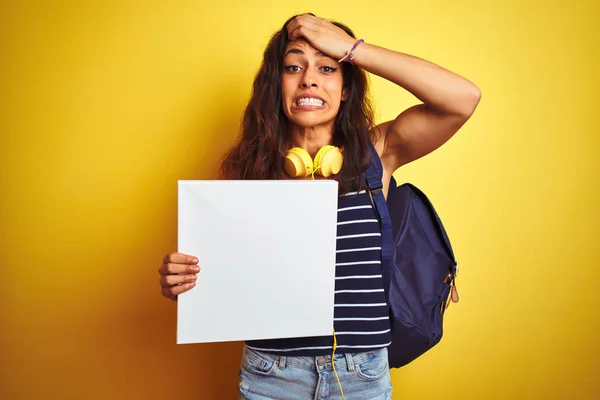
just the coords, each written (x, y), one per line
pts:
(307, 107)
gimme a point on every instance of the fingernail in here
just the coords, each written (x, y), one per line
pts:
(195, 260)
(192, 284)
(191, 278)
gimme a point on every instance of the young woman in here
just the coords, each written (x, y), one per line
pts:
(311, 95)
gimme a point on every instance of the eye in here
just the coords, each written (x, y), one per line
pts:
(329, 70)
(292, 68)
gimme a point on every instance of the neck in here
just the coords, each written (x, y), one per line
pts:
(310, 139)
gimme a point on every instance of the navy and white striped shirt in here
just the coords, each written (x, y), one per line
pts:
(361, 319)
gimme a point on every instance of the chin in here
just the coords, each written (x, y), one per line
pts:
(307, 121)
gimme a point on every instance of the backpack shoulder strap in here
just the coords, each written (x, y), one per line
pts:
(373, 176)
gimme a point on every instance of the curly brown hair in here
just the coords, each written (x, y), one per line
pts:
(261, 148)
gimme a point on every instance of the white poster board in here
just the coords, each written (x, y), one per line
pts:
(267, 259)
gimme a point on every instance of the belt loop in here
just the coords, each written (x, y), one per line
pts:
(349, 362)
(281, 362)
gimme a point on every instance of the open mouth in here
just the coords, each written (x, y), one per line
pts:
(309, 102)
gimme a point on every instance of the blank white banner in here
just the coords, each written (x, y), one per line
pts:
(267, 259)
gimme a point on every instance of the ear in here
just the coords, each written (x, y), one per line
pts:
(344, 94)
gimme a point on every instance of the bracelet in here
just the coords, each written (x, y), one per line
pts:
(351, 52)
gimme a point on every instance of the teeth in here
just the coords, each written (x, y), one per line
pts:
(309, 102)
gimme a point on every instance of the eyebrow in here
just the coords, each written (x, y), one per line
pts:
(298, 51)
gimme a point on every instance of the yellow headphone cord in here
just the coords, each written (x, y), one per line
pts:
(312, 175)
(333, 364)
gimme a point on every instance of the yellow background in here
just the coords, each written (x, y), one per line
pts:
(106, 104)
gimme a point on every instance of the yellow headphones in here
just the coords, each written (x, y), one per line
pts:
(328, 161)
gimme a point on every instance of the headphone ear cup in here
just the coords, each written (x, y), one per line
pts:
(298, 163)
(328, 161)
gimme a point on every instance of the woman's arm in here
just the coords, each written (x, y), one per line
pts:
(448, 102)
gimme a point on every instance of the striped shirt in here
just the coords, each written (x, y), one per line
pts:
(361, 319)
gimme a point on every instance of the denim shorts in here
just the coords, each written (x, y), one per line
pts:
(363, 376)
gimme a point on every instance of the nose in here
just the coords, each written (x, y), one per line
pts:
(308, 80)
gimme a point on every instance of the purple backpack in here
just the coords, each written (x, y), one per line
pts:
(418, 266)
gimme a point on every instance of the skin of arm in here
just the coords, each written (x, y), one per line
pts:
(448, 99)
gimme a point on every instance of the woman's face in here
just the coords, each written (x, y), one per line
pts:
(312, 85)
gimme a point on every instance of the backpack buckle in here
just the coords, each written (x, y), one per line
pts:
(375, 186)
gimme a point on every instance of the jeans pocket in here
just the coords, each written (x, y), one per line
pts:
(374, 367)
(257, 362)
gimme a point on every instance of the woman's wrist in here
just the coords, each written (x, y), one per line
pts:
(349, 56)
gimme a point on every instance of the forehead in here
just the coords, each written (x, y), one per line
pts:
(302, 47)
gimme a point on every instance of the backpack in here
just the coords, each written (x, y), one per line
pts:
(418, 266)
